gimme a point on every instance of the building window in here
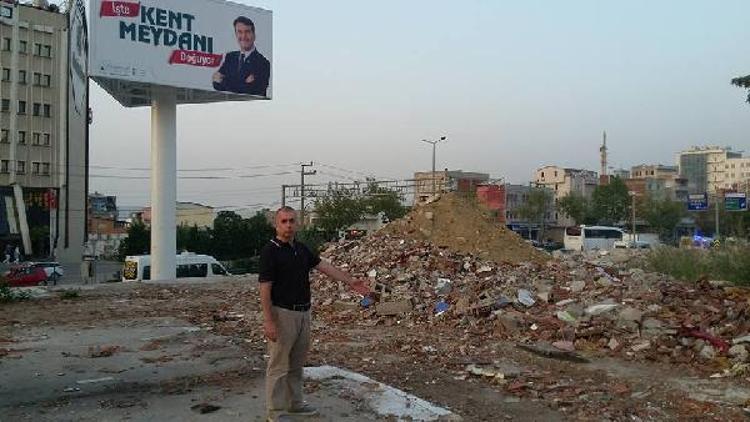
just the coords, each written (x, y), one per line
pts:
(36, 138)
(35, 167)
(37, 109)
(5, 105)
(23, 47)
(6, 74)
(4, 164)
(22, 137)
(47, 51)
(45, 169)
(46, 80)
(6, 44)
(37, 79)
(21, 107)
(22, 77)
(4, 136)
(47, 110)
(46, 139)
(21, 167)
(37, 49)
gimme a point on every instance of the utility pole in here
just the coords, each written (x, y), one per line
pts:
(304, 173)
(434, 146)
(716, 233)
(632, 208)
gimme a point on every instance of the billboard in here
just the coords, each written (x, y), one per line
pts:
(735, 202)
(698, 202)
(210, 50)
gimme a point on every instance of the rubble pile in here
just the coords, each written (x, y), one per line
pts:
(567, 304)
(463, 226)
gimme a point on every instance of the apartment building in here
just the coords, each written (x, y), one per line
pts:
(564, 181)
(43, 147)
(428, 184)
(707, 168)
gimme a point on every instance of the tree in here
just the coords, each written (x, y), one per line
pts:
(536, 207)
(258, 231)
(743, 82)
(194, 239)
(228, 236)
(138, 241)
(379, 199)
(611, 202)
(663, 215)
(338, 211)
(577, 207)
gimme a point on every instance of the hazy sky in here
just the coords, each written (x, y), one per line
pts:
(513, 85)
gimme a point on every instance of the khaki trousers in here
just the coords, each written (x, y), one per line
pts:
(287, 360)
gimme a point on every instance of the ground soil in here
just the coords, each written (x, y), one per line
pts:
(430, 363)
(458, 223)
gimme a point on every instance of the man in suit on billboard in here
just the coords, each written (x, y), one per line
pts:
(245, 71)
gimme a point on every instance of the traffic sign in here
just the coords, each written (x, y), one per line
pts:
(735, 202)
(698, 202)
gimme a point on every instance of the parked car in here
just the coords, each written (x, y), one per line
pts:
(629, 244)
(53, 270)
(26, 275)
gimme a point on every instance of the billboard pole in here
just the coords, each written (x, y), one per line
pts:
(163, 183)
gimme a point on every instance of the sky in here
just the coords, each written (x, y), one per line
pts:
(513, 85)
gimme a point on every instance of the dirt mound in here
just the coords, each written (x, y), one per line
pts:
(460, 224)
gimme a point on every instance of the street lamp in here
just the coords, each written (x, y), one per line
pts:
(434, 146)
(633, 194)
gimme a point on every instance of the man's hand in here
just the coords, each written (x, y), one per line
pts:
(218, 77)
(361, 286)
(250, 79)
(269, 329)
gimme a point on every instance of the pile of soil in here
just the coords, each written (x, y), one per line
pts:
(460, 224)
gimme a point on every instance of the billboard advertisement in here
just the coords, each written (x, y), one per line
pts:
(735, 202)
(698, 202)
(204, 45)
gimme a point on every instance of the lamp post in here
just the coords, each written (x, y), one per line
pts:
(434, 147)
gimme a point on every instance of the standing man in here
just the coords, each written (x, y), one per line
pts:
(245, 71)
(284, 277)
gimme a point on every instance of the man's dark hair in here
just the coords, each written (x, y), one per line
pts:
(285, 209)
(245, 21)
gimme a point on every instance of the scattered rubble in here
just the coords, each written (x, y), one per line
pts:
(571, 301)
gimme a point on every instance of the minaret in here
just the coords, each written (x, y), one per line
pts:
(603, 152)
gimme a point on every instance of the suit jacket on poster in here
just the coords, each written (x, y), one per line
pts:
(236, 72)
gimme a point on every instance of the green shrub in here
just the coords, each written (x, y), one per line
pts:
(9, 295)
(726, 263)
(70, 294)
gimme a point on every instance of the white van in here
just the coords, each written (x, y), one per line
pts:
(189, 265)
(587, 238)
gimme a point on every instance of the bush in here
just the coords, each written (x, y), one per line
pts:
(243, 265)
(9, 295)
(70, 294)
(728, 263)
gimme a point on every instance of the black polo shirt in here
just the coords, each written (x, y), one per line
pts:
(288, 267)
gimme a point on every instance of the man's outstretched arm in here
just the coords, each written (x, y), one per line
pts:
(360, 286)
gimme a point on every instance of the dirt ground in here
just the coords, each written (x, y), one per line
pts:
(430, 364)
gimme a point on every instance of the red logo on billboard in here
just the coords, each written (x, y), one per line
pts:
(120, 8)
(195, 58)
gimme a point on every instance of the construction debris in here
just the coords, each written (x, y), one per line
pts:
(571, 301)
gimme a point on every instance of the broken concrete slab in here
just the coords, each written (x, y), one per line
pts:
(382, 399)
(394, 308)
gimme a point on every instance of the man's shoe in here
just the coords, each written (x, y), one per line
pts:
(304, 409)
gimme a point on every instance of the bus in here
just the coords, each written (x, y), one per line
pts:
(189, 265)
(587, 238)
